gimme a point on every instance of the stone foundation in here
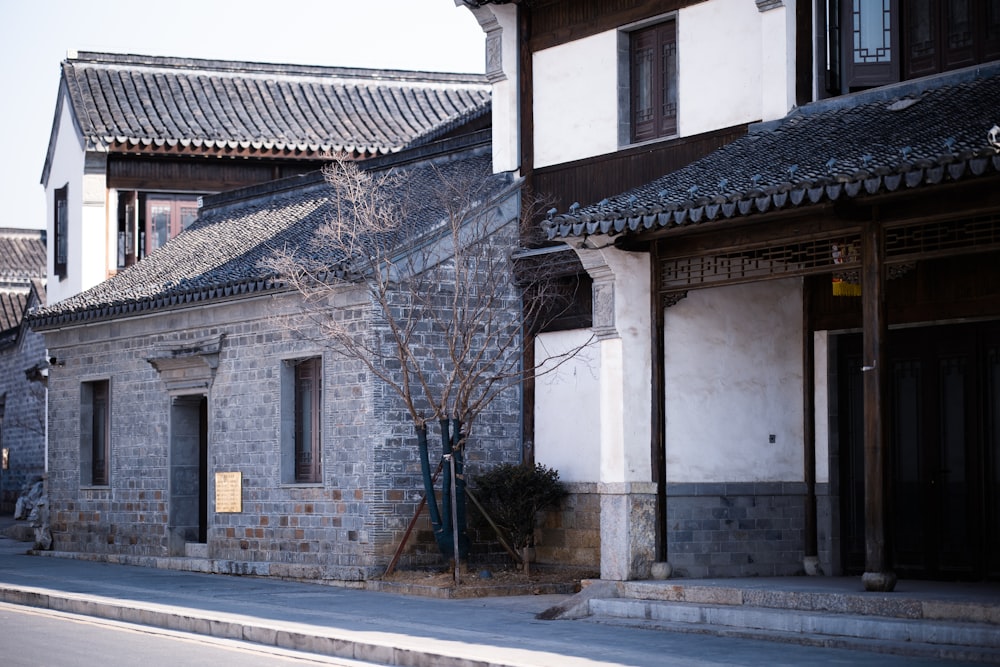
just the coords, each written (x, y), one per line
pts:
(737, 529)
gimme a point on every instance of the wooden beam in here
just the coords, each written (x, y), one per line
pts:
(878, 575)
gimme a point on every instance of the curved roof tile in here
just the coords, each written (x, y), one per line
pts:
(914, 134)
(224, 253)
(130, 100)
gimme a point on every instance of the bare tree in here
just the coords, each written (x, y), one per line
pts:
(431, 248)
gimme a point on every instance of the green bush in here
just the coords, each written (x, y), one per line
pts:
(513, 494)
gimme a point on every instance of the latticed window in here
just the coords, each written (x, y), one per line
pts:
(308, 410)
(876, 42)
(166, 217)
(653, 81)
(61, 220)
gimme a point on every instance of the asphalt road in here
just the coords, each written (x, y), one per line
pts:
(41, 638)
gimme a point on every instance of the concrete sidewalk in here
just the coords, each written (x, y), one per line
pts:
(380, 628)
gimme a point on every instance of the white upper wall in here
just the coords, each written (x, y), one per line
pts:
(87, 240)
(733, 368)
(576, 99)
(499, 22)
(724, 49)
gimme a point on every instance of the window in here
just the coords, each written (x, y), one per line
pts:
(147, 220)
(95, 436)
(166, 217)
(128, 229)
(60, 242)
(877, 42)
(942, 35)
(302, 401)
(653, 81)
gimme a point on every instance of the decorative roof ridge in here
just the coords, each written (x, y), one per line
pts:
(239, 196)
(167, 299)
(458, 119)
(325, 72)
(452, 146)
(23, 231)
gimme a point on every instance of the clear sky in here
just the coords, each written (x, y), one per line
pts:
(35, 35)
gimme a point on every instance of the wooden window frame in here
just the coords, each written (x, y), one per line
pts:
(60, 240)
(916, 48)
(655, 114)
(308, 379)
(941, 52)
(95, 433)
(128, 228)
(177, 204)
(880, 66)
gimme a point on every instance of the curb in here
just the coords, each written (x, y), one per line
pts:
(381, 648)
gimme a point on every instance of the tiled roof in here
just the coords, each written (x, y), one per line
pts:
(224, 253)
(22, 256)
(130, 102)
(22, 268)
(912, 135)
(12, 307)
(14, 304)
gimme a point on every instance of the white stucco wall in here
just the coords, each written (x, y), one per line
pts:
(576, 99)
(576, 85)
(66, 170)
(719, 65)
(94, 242)
(733, 370)
(90, 248)
(567, 395)
(506, 101)
(777, 49)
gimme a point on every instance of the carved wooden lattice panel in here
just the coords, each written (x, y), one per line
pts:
(904, 244)
(762, 263)
(943, 237)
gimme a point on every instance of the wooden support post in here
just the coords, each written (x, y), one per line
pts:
(810, 534)
(877, 576)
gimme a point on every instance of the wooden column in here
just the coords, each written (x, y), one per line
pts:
(877, 576)
(810, 538)
(659, 448)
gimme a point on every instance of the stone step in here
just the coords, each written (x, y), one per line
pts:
(196, 550)
(959, 629)
(968, 603)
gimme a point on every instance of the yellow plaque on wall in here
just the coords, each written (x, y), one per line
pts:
(228, 492)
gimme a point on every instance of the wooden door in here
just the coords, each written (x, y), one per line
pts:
(944, 471)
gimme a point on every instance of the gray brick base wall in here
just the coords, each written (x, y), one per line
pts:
(570, 535)
(23, 416)
(735, 529)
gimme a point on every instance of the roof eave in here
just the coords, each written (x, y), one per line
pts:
(798, 195)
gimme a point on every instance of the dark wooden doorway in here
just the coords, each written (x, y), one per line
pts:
(188, 509)
(944, 435)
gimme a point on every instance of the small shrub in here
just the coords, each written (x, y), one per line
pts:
(514, 494)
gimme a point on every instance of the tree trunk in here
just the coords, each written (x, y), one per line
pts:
(442, 523)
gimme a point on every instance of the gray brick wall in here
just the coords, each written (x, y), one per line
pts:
(735, 529)
(345, 528)
(570, 534)
(23, 416)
